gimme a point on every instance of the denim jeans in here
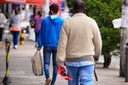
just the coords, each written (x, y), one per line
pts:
(15, 35)
(83, 75)
(47, 52)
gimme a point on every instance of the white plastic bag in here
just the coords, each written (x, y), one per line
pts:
(37, 64)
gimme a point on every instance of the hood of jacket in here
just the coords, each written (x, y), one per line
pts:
(54, 19)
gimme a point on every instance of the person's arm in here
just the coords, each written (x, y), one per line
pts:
(4, 20)
(97, 42)
(10, 22)
(33, 21)
(41, 35)
(61, 51)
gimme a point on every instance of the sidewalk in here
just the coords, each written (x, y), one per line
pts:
(20, 70)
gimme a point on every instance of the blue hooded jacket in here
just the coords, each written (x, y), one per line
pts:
(50, 31)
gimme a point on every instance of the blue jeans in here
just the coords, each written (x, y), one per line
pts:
(47, 51)
(15, 35)
(83, 75)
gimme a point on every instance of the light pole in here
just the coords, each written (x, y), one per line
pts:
(123, 41)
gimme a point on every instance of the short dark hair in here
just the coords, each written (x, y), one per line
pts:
(39, 13)
(78, 6)
(17, 11)
(54, 8)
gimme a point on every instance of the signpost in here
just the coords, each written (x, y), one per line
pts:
(123, 23)
(123, 41)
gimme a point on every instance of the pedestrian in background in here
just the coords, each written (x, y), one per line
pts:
(3, 21)
(37, 23)
(15, 27)
(79, 46)
(49, 36)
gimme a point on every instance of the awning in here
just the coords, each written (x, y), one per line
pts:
(32, 2)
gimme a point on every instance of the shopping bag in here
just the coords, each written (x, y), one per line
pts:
(37, 63)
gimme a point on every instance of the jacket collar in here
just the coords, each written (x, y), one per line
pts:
(79, 14)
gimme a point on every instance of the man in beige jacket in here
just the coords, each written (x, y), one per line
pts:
(79, 46)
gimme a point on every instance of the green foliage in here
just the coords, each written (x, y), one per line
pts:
(111, 39)
(70, 3)
(104, 11)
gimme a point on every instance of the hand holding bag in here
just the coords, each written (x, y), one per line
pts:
(37, 63)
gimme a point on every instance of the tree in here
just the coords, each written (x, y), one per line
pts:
(104, 11)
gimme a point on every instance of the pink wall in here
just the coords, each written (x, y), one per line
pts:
(58, 3)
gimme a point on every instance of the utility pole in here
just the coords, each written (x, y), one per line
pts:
(123, 41)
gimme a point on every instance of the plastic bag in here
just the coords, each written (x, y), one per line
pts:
(37, 64)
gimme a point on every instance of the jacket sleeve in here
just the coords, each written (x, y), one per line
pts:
(41, 34)
(97, 42)
(61, 51)
(4, 20)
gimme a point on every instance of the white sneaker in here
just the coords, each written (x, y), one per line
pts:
(15, 47)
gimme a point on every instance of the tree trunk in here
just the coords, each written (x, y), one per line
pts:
(122, 57)
(107, 61)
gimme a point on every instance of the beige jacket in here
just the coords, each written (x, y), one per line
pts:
(80, 40)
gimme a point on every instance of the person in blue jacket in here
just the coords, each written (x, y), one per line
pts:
(48, 38)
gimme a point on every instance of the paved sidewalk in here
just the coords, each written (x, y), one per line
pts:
(20, 70)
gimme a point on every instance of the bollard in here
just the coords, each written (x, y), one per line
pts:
(22, 38)
(6, 79)
(126, 64)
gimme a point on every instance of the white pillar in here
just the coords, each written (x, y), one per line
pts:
(9, 10)
(46, 8)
